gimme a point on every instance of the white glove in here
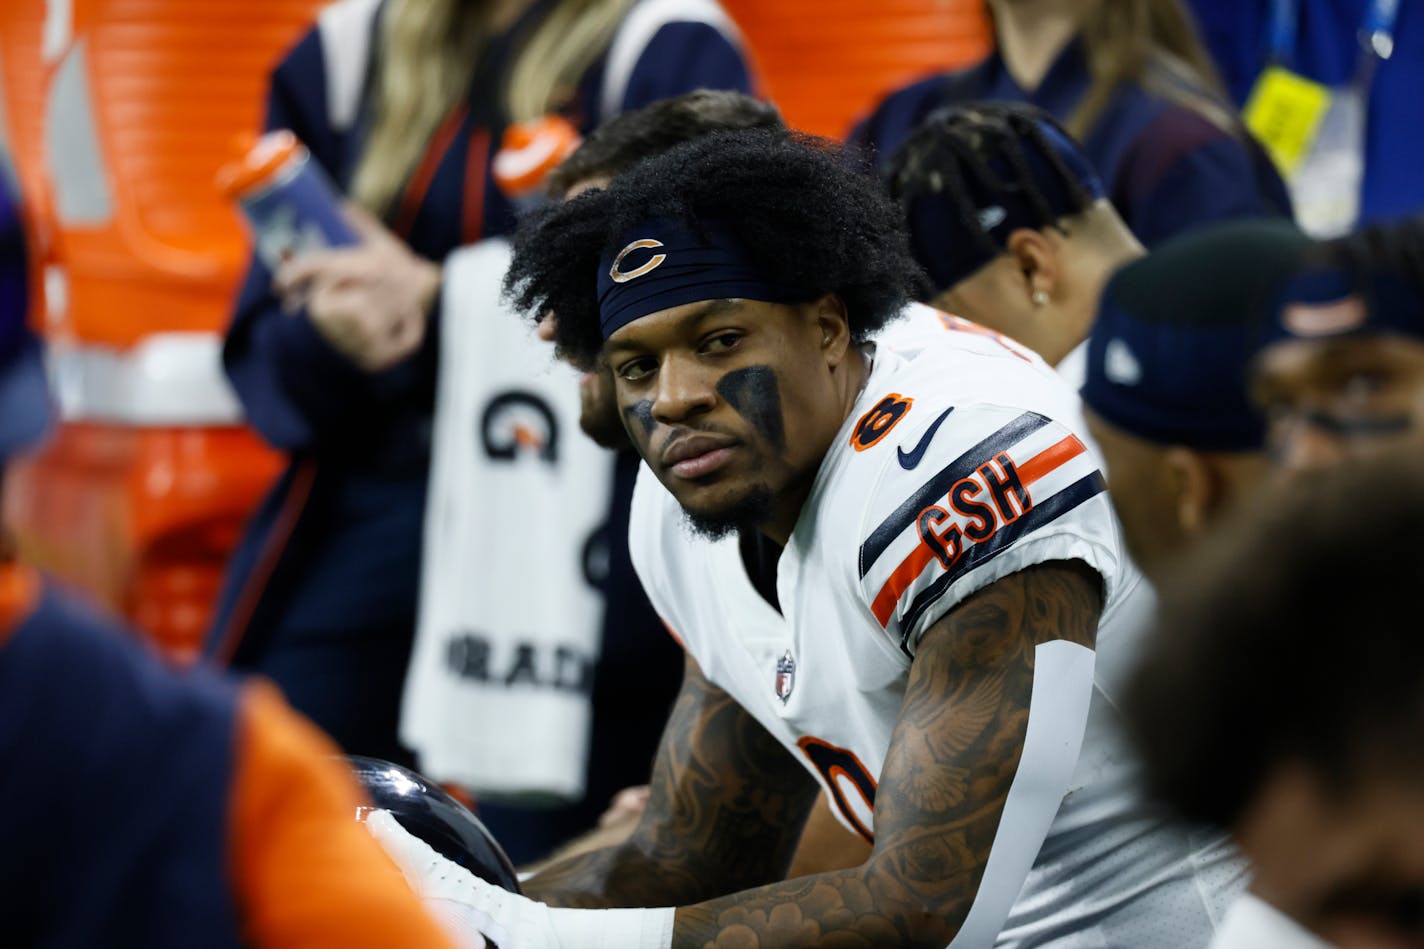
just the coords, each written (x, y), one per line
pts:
(457, 895)
(465, 902)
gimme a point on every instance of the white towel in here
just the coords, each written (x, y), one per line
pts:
(497, 698)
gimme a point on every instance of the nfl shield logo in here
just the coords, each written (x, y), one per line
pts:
(785, 676)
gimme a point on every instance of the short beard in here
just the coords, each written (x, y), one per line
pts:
(750, 511)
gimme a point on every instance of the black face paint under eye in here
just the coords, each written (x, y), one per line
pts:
(754, 393)
(639, 415)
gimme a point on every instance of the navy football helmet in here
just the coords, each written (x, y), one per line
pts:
(432, 814)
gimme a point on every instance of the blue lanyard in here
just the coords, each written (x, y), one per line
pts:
(1376, 30)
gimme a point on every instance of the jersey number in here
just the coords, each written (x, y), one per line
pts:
(876, 424)
(841, 771)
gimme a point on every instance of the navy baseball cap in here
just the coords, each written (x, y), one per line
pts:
(1367, 283)
(1033, 182)
(26, 410)
(1176, 332)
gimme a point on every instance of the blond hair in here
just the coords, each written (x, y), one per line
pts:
(1154, 43)
(426, 58)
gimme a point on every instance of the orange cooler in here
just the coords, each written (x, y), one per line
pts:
(119, 114)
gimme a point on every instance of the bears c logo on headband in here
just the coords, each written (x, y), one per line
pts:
(620, 276)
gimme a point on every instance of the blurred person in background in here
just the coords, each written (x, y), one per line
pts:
(1165, 392)
(1130, 81)
(1332, 88)
(334, 356)
(1342, 376)
(1010, 221)
(144, 806)
(1333, 373)
(1282, 698)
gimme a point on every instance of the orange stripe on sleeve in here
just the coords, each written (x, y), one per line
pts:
(1050, 459)
(19, 595)
(305, 873)
(899, 582)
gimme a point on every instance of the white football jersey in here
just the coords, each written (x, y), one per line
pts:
(964, 460)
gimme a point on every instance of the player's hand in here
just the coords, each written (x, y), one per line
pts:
(626, 808)
(462, 902)
(370, 301)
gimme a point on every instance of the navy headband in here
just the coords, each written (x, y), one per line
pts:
(663, 264)
(950, 248)
(1177, 330)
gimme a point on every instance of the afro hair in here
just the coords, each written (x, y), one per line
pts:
(802, 213)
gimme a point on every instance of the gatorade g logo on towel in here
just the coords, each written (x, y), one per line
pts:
(623, 276)
(519, 423)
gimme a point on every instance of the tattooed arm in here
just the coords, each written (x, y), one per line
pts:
(725, 813)
(953, 756)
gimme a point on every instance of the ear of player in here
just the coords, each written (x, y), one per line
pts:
(467, 905)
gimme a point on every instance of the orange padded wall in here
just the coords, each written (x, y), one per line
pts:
(826, 62)
(169, 83)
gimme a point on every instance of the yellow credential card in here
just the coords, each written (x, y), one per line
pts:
(1284, 112)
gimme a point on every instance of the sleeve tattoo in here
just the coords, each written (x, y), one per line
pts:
(953, 756)
(725, 813)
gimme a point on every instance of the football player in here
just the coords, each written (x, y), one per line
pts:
(612, 148)
(1165, 389)
(1010, 222)
(890, 573)
(1343, 376)
(144, 806)
(1340, 375)
(1283, 697)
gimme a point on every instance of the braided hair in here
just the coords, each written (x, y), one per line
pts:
(978, 154)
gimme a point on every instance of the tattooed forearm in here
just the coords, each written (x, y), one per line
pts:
(952, 759)
(726, 809)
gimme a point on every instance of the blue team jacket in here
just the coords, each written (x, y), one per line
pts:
(1165, 168)
(335, 547)
(115, 775)
(14, 260)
